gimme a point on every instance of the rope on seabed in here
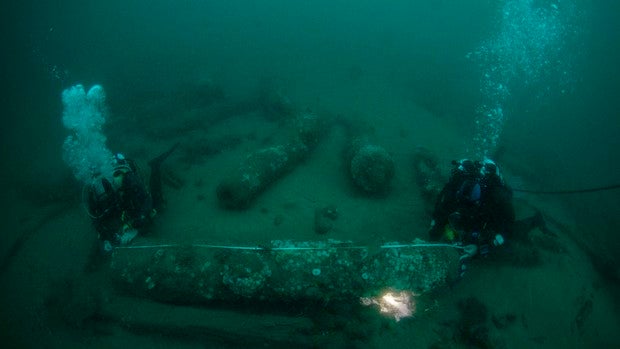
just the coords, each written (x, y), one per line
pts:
(258, 248)
(575, 191)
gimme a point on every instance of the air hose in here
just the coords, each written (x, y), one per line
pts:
(576, 191)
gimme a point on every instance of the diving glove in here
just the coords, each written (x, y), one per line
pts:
(499, 240)
(470, 251)
(127, 235)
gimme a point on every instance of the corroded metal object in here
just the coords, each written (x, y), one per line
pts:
(264, 166)
(370, 166)
(282, 271)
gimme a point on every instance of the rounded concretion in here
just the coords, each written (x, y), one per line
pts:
(372, 168)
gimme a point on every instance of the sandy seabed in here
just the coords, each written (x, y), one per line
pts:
(558, 302)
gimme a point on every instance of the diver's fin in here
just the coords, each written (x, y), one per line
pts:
(107, 187)
(540, 223)
(159, 159)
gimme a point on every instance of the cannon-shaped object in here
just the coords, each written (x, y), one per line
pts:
(283, 271)
(264, 166)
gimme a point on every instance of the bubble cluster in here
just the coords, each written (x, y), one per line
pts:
(528, 51)
(84, 150)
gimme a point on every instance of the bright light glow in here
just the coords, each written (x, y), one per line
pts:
(397, 304)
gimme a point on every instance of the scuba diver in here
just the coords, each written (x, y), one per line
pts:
(125, 206)
(475, 209)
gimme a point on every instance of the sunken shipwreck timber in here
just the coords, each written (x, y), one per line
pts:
(265, 166)
(284, 271)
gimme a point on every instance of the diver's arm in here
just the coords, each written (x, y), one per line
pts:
(444, 206)
(138, 203)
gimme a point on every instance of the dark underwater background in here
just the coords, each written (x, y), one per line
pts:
(416, 73)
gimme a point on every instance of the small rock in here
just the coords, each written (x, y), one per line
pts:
(278, 220)
(324, 219)
(503, 321)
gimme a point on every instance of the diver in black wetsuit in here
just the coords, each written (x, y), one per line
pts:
(126, 207)
(475, 209)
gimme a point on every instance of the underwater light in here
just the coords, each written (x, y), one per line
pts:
(397, 304)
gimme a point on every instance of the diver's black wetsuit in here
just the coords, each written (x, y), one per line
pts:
(131, 204)
(477, 215)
